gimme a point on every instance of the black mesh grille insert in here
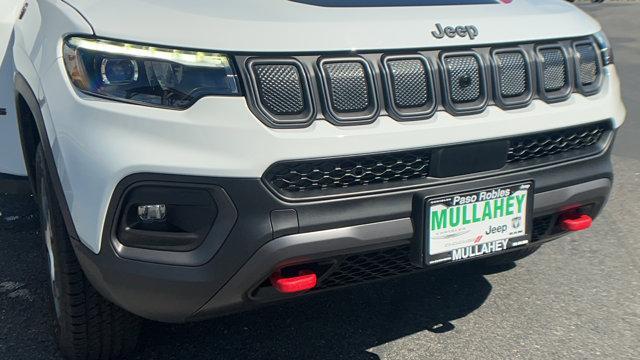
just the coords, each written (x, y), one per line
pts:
(589, 68)
(348, 86)
(370, 266)
(390, 262)
(554, 69)
(463, 73)
(512, 71)
(410, 83)
(280, 88)
(554, 142)
(541, 227)
(349, 171)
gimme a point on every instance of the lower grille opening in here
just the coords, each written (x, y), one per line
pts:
(395, 261)
(349, 174)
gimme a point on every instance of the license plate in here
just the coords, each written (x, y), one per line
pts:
(469, 225)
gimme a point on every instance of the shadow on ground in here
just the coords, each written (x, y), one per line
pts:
(334, 325)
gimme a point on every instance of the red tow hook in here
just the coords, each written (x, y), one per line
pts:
(305, 280)
(575, 222)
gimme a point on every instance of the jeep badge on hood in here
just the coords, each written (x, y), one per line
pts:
(451, 31)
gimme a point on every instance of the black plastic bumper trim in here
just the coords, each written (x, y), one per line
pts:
(227, 215)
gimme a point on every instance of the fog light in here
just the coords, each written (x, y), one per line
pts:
(152, 213)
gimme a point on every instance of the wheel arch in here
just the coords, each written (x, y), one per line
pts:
(33, 131)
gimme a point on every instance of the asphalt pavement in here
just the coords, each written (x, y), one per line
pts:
(578, 297)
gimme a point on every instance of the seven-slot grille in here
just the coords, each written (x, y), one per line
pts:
(318, 177)
(346, 90)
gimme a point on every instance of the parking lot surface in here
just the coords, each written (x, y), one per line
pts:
(578, 297)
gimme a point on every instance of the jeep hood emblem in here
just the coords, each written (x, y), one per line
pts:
(453, 31)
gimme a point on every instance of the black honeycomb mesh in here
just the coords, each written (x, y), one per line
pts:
(463, 73)
(410, 82)
(348, 86)
(351, 171)
(390, 262)
(369, 266)
(554, 142)
(280, 88)
(589, 67)
(554, 69)
(512, 70)
(541, 227)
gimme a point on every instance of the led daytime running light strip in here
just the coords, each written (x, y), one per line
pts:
(183, 57)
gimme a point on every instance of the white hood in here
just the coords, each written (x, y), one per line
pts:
(297, 26)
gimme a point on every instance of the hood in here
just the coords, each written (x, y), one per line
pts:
(329, 25)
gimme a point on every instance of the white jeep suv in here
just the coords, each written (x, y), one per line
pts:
(195, 158)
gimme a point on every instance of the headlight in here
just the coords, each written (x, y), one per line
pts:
(147, 75)
(605, 48)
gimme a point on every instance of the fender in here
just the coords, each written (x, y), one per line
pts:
(24, 90)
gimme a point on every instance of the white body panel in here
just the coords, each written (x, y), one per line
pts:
(11, 159)
(283, 25)
(96, 142)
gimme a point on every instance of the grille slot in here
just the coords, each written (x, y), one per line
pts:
(348, 84)
(349, 89)
(465, 84)
(349, 172)
(410, 83)
(281, 92)
(587, 67)
(550, 143)
(410, 87)
(512, 69)
(554, 73)
(464, 78)
(308, 178)
(280, 88)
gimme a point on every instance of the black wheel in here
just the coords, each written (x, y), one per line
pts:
(86, 325)
(508, 258)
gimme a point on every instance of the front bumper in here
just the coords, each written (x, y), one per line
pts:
(260, 242)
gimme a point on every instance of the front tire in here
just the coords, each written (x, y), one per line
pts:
(86, 325)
